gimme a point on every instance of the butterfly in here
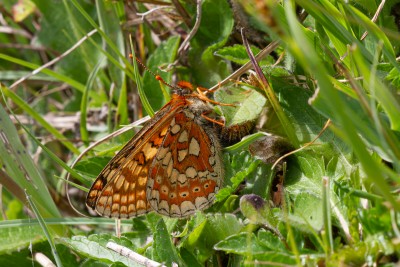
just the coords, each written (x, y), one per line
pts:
(172, 166)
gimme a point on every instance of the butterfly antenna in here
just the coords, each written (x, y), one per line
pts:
(158, 77)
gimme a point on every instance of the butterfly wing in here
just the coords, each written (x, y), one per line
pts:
(120, 189)
(187, 170)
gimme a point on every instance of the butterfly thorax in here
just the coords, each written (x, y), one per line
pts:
(191, 101)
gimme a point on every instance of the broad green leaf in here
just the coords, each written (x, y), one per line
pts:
(248, 104)
(210, 231)
(245, 244)
(270, 240)
(164, 249)
(277, 259)
(94, 247)
(237, 54)
(304, 185)
(15, 238)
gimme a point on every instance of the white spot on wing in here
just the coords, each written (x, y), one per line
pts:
(170, 168)
(182, 178)
(191, 172)
(182, 154)
(211, 160)
(203, 174)
(162, 152)
(119, 182)
(167, 158)
(194, 147)
(175, 129)
(174, 176)
(163, 207)
(201, 202)
(155, 195)
(175, 210)
(183, 137)
(187, 208)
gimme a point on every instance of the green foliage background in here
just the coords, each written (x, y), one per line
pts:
(340, 201)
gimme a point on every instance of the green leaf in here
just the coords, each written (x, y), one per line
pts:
(94, 247)
(245, 244)
(214, 31)
(248, 104)
(306, 191)
(164, 54)
(18, 164)
(236, 53)
(164, 249)
(268, 239)
(241, 166)
(210, 231)
(108, 20)
(255, 208)
(91, 167)
(15, 238)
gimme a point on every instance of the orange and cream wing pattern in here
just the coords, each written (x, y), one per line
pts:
(120, 189)
(187, 170)
(172, 166)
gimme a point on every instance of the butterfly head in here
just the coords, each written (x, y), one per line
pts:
(183, 88)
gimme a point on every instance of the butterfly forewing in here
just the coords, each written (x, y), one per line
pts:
(187, 170)
(120, 189)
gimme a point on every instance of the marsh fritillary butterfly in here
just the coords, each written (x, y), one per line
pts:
(172, 165)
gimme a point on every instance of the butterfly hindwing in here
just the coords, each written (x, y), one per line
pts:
(120, 189)
(187, 170)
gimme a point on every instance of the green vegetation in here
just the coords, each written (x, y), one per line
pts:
(67, 81)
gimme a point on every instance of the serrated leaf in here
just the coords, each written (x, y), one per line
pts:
(263, 247)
